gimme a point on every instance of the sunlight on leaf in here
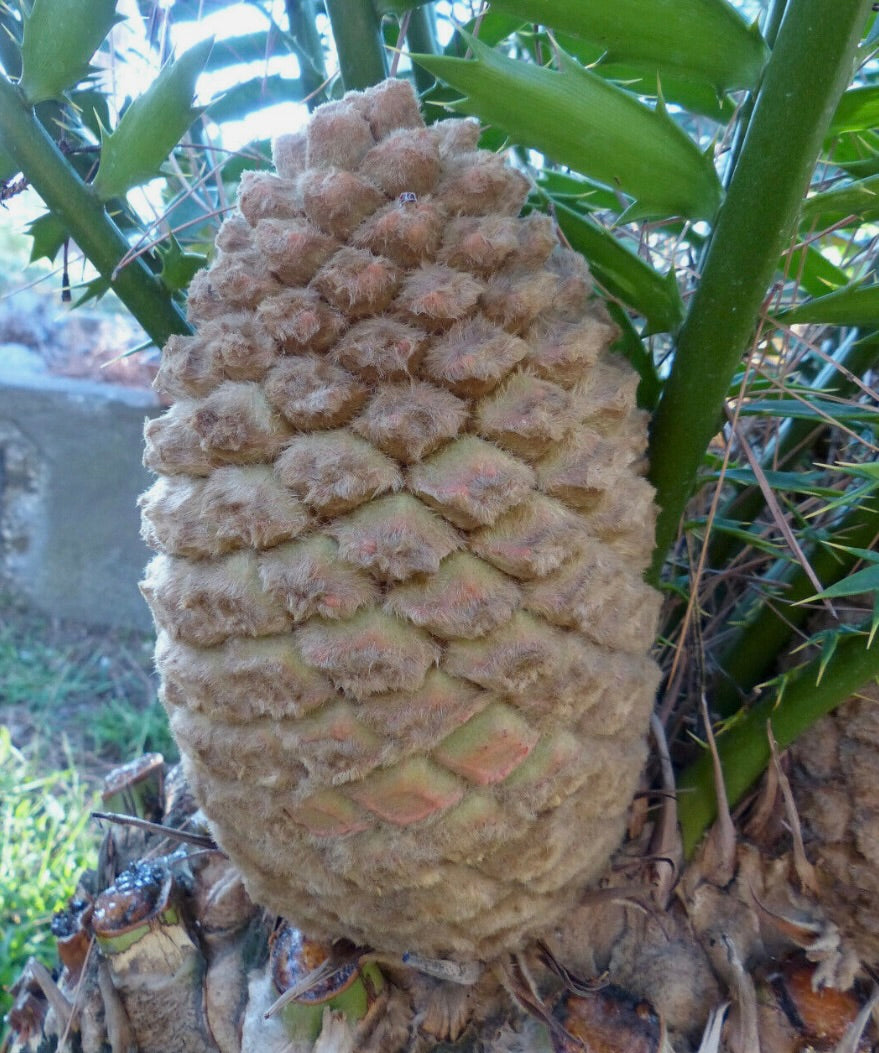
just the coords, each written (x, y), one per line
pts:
(60, 38)
(852, 305)
(858, 110)
(816, 274)
(861, 581)
(859, 200)
(789, 482)
(577, 118)
(700, 39)
(151, 126)
(828, 649)
(817, 409)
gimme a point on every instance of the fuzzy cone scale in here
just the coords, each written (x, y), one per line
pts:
(401, 522)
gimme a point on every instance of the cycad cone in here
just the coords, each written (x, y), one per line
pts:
(402, 522)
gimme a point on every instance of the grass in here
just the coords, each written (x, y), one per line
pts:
(125, 732)
(46, 841)
(74, 703)
(92, 688)
(43, 676)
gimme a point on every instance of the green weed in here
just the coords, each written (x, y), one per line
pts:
(46, 841)
(93, 687)
(121, 732)
(77, 701)
(42, 675)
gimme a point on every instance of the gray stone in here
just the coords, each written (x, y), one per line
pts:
(70, 475)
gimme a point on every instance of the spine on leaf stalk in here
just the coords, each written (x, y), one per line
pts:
(401, 521)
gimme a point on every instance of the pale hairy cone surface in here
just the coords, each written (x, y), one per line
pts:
(402, 522)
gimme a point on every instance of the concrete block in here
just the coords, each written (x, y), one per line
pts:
(70, 475)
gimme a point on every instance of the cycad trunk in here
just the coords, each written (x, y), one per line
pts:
(163, 951)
